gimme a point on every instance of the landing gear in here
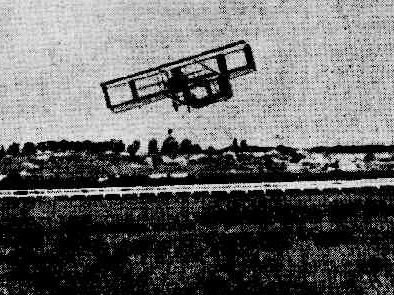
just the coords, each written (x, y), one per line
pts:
(176, 105)
(197, 93)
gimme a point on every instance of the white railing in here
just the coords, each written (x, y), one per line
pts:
(245, 187)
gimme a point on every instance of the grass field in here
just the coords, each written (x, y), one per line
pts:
(310, 242)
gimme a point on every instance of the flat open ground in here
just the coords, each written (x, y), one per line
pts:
(320, 240)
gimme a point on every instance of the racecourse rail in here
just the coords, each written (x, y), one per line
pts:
(242, 187)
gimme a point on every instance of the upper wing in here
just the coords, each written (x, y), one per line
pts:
(144, 87)
(131, 92)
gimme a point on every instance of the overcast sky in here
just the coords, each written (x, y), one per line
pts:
(325, 69)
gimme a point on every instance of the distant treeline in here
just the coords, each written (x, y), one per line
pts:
(171, 147)
(64, 146)
(353, 149)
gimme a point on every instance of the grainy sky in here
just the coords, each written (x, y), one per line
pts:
(325, 69)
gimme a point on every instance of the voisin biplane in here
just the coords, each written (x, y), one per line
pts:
(196, 81)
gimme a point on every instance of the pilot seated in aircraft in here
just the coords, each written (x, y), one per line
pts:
(215, 90)
(179, 87)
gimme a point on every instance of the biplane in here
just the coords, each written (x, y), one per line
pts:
(196, 81)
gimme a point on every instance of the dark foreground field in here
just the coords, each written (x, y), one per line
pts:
(310, 242)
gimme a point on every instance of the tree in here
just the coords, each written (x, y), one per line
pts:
(153, 152)
(117, 146)
(13, 149)
(76, 146)
(185, 147)
(235, 146)
(42, 146)
(87, 146)
(133, 148)
(170, 145)
(99, 147)
(52, 145)
(196, 149)
(64, 145)
(211, 150)
(153, 147)
(244, 145)
(106, 146)
(29, 148)
(2, 152)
